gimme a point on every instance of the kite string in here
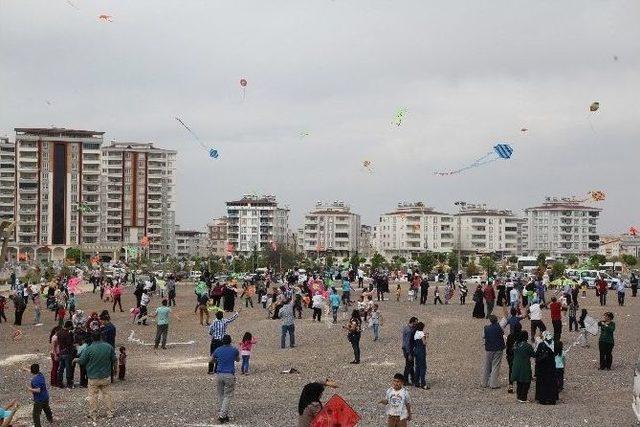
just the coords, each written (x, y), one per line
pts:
(476, 163)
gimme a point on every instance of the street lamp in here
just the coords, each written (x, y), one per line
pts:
(462, 205)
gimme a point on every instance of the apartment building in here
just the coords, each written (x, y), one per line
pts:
(331, 228)
(413, 228)
(190, 243)
(483, 230)
(7, 180)
(562, 226)
(254, 222)
(217, 236)
(365, 247)
(138, 196)
(57, 175)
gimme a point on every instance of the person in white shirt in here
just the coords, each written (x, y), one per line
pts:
(317, 304)
(144, 303)
(514, 298)
(620, 289)
(535, 314)
(398, 403)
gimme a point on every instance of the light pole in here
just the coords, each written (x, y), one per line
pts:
(462, 205)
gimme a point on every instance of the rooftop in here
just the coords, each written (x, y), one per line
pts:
(59, 132)
(135, 146)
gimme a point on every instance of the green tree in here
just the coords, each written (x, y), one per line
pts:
(378, 261)
(329, 261)
(542, 259)
(452, 260)
(513, 259)
(572, 260)
(595, 261)
(426, 260)
(557, 270)
(471, 268)
(488, 264)
(75, 254)
(629, 260)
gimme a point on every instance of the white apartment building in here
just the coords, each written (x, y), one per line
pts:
(57, 171)
(190, 243)
(562, 226)
(217, 236)
(7, 179)
(331, 228)
(483, 230)
(138, 196)
(619, 245)
(365, 247)
(413, 228)
(255, 222)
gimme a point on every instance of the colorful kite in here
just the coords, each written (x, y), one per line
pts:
(213, 153)
(302, 134)
(523, 130)
(397, 120)
(105, 18)
(132, 251)
(144, 242)
(500, 151)
(336, 412)
(594, 106)
(243, 84)
(633, 231)
(367, 165)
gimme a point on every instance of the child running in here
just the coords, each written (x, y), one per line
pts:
(245, 351)
(398, 403)
(40, 396)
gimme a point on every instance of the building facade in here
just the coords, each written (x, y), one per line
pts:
(483, 230)
(413, 228)
(190, 243)
(618, 245)
(138, 196)
(217, 236)
(255, 222)
(563, 226)
(7, 180)
(331, 228)
(365, 245)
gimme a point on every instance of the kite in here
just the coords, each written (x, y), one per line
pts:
(367, 165)
(131, 338)
(615, 57)
(500, 151)
(302, 134)
(594, 106)
(105, 18)
(595, 196)
(397, 120)
(213, 153)
(243, 84)
(633, 231)
(336, 412)
(523, 130)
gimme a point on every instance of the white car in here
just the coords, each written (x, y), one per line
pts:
(473, 280)
(195, 274)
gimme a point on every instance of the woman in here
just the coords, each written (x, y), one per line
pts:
(420, 356)
(521, 372)
(478, 309)
(55, 355)
(502, 295)
(355, 329)
(546, 385)
(606, 342)
(309, 404)
(229, 298)
(512, 339)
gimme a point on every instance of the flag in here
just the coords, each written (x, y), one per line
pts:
(336, 413)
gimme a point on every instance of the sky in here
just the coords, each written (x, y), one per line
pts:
(469, 73)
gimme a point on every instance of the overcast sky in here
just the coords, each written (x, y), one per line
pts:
(470, 74)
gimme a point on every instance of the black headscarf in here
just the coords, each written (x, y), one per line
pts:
(310, 393)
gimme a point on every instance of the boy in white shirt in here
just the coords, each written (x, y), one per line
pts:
(398, 403)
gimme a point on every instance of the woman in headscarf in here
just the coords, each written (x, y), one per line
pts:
(309, 404)
(229, 298)
(355, 331)
(546, 385)
(478, 309)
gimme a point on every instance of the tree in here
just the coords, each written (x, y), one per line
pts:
(471, 269)
(75, 254)
(426, 260)
(629, 260)
(572, 260)
(488, 264)
(378, 261)
(557, 270)
(452, 260)
(513, 259)
(329, 261)
(597, 260)
(542, 260)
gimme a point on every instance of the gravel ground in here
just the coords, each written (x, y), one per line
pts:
(171, 387)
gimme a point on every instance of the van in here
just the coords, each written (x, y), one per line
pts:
(590, 276)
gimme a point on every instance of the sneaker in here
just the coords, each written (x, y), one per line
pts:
(522, 401)
(510, 390)
(223, 420)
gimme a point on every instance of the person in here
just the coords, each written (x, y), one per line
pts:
(398, 292)
(309, 404)
(620, 292)
(494, 345)
(424, 290)
(606, 342)
(116, 293)
(583, 328)
(122, 363)
(138, 292)
(317, 304)
(463, 294)
(19, 306)
(633, 280)
(7, 412)
(436, 296)
(225, 358)
(297, 303)
(144, 303)
(535, 314)
(546, 385)
(246, 345)
(501, 299)
(559, 360)
(556, 318)
(162, 315)
(420, 356)
(171, 291)
(478, 308)
(82, 345)
(354, 328)
(201, 308)
(288, 324)
(346, 291)
(217, 330)
(512, 338)
(521, 373)
(514, 297)
(98, 359)
(66, 351)
(108, 329)
(334, 299)
(408, 333)
(3, 303)
(40, 396)
(489, 295)
(398, 403)
(601, 290)
(376, 320)
(571, 313)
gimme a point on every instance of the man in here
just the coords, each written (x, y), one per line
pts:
(334, 299)
(66, 347)
(162, 324)
(620, 289)
(288, 326)
(494, 346)
(407, 349)
(601, 290)
(424, 290)
(171, 289)
(535, 314)
(490, 297)
(514, 297)
(225, 358)
(346, 291)
(217, 331)
(634, 284)
(556, 318)
(98, 360)
(19, 307)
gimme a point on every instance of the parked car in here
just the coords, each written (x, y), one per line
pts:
(195, 274)
(590, 276)
(473, 280)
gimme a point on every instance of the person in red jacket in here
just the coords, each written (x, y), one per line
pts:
(556, 318)
(490, 297)
(601, 290)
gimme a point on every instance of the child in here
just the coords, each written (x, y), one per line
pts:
(398, 403)
(583, 328)
(83, 371)
(436, 296)
(122, 363)
(375, 322)
(398, 292)
(245, 351)
(571, 312)
(60, 313)
(40, 396)
(559, 365)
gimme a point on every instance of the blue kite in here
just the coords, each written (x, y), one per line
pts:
(500, 151)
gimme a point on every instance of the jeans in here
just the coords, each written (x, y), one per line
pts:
(557, 329)
(522, 390)
(537, 324)
(291, 329)
(226, 386)
(215, 343)
(409, 371)
(334, 312)
(65, 364)
(490, 305)
(99, 386)
(620, 298)
(573, 322)
(317, 313)
(245, 364)
(117, 301)
(355, 343)
(492, 362)
(423, 297)
(603, 298)
(376, 330)
(172, 298)
(38, 407)
(161, 333)
(605, 355)
(421, 369)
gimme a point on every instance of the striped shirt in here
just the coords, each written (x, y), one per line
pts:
(218, 328)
